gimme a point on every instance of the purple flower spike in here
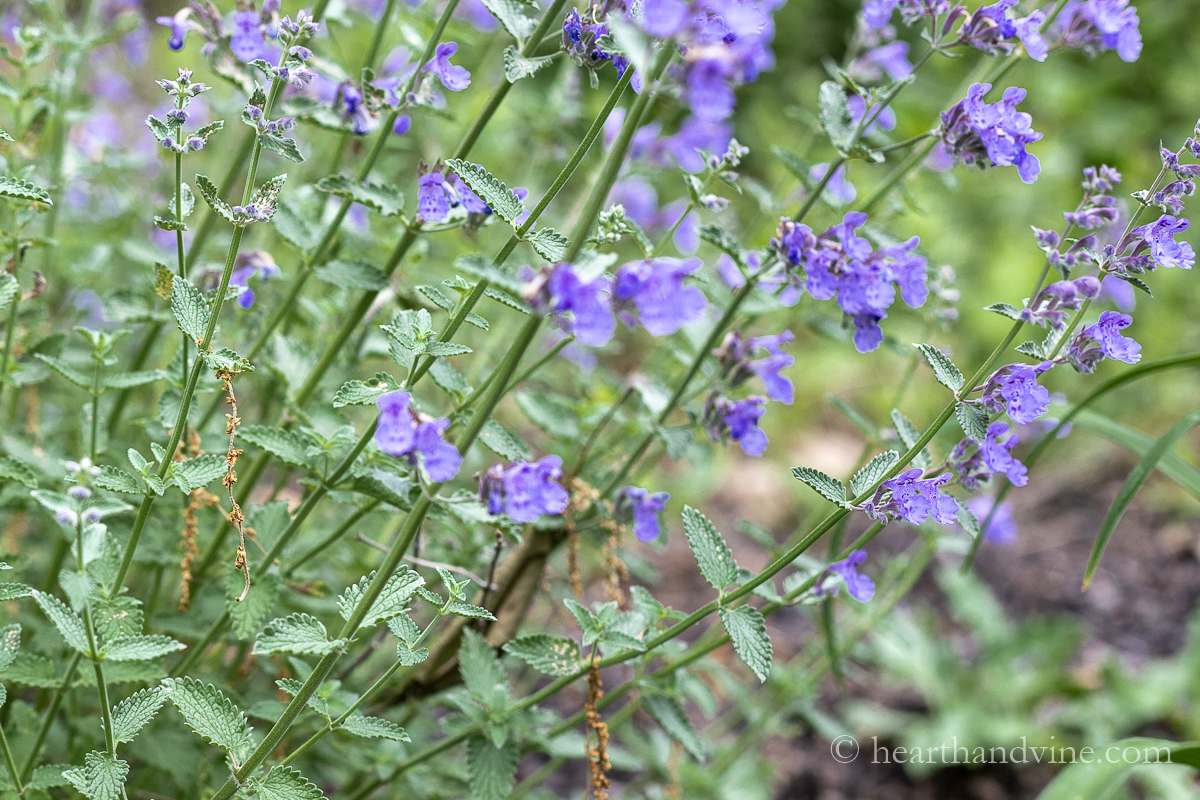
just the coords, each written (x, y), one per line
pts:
(440, 459)
(860, 587)
(530, 489)
(914, 500)
(644, 508)
(396, 430)
(1003, 527)
(453, 77)
(1014, 388)
(589, 302)
(432, 203)
(1097, 25)
(655, 288)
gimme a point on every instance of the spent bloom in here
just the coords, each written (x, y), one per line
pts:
(858, 586)
(644, 509)
(524, 490)
(401, 432)
(654, 288)
(1014, 388)
(1104, 340)
(973, 130)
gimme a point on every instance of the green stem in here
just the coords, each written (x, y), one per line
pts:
(11, 324)
(338, 533)
(12, 766)
(139, 360)
(209, 221)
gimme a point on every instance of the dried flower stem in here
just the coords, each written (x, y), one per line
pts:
(232, 420)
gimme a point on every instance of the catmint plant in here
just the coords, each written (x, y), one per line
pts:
(511, 301)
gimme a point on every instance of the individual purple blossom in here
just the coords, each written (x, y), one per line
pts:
(891, 58)
(913, 499)
(246, 41)
(66, 517)
(655, 288)
(179, 26)
(398, 432)
(525, 490)
(589, 302)
(354, 110)
(737, 420)
(858, 586)
(997, 455)
(440, 459)
(779, 387)
(663, 18)
(1104, 340)
(453, 77)
(644, 509)
(432, 203)
(989, 28)
(1014, 388)
(402, 125)
(1053, 304)
(972, 130)
(1002, 529)
(838, 190)
(250, 264)
(1093, 26)
(694, 137)
(1160, 237)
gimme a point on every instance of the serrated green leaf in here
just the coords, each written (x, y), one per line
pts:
(517, 66)
(506, 300)
(392, 601)
(14, 591)
(249, 615)
(492, 770)
(102, 777)
(409, 657)
(286, 783)
(294, 229)
(128, 380)
(748, 631)
(468, 610)
(117, 617)
(449, 380)
(66, 370)
(835, 115)
(480, 669)
(491, 190)
(65, 620)
(907, 432)
(364, 393)
(189, 308)
(712, 555)
(200, 471)
(669, 714)
(381, 197)
(445, 349)
(512, 17)
(827, 486)
(972, 419)
(352, 274)
(132, 713)
(209, 713)
(14, 470)
(297, 634)
(872, 471)
(24, 190)
(140, 648)
(284, 145)
(267, 194)
(549, 655)
(1004, 310)
(30, 669)
(944, 370)
(374, 728)
(9, 287)
(1032, 349)
(211, 196)
(549, 244)
(288, 446)
(315, 701)
(225, 359)
(503, 442)
(169, 224)
(10, 644)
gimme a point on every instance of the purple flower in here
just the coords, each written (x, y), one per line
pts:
(1104, 340)
(913, 499)
(1093, 26)
(779, 387)
(737, 420)
(663, 18)
(1160, 237)
(860, 587)
(470, 201)
(1014, 388)
(997, 455)
(1003, 527)
(695, 135)
(644, 508)
(989, 28)
(399, 433)
(179, 26)
(589, 302)
(432, 203)
(973, 129)
(530, 489)
(402, 125)
(1054, 303)
(247, 40)
(248, 265)
(884, 118)
(727, 268)
(1120, 292)
(891, 58)
(838, 191)
(877, 13)
(655, 288)
(453, 77)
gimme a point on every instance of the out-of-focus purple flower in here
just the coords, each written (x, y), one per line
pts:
(1053, 304)
(883, 118)
(1003, 527)
(453, 77)
(354, 110)
(877, 13)
(663, 18)
(729, 272)
(432, 203)
(530, 489)
(913, 499)
(697, 135)
(858, 586)
(989, 29)
(779, 387)
(589, 302)
(737, 420)
(997, 455)
(973, 130)
(1014, 388)
(655, 288)
(250, 264)
(179, 26)
(1104, 340)
(1120, 292)
(1093, 26)
(838, 191)
(891, 58)
(644, 509)
(475, 12)
(246, 40)
(398, 432)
